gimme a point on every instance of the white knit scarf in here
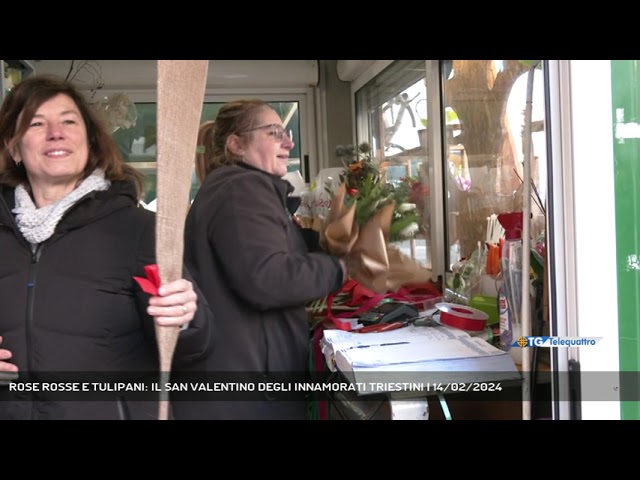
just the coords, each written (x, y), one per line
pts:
(38, 224)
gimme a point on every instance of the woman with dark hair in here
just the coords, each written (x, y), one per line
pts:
(72, 238)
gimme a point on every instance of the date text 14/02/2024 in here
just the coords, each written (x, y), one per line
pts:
(464, 387)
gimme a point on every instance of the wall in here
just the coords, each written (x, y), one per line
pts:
(339, 123)
(330, 96)
(349, 70)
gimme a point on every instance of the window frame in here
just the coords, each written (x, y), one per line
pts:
(304, 97)
(363, 132)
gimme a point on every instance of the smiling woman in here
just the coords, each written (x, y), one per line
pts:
(69, 216)
(243, 243)
(54, 150)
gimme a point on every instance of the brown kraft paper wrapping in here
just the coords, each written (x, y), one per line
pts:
(371, 260)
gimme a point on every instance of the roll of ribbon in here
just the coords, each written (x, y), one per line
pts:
(462, 317)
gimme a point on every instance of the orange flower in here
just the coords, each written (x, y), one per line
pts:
(355, 166)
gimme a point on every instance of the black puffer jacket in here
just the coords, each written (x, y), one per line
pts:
(73, 305)
(257, 274)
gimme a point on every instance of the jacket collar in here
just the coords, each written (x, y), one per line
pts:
(281, 184)
(88, 209)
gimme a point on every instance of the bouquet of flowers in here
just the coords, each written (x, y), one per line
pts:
(367, 214)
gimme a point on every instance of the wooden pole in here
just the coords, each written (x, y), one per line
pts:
(181, 85)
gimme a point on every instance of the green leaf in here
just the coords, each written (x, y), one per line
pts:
(529, 63)
(537, 263)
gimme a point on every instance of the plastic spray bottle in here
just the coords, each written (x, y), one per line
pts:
(510, 294)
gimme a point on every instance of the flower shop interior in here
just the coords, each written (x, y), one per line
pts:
(470, 186)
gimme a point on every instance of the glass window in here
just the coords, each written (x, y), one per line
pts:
(394, 105)
(482, 105)
(138, 143)
(484, 148)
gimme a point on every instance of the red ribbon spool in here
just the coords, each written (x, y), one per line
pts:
(462, 317)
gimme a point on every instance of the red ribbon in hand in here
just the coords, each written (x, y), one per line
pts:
(150, 284)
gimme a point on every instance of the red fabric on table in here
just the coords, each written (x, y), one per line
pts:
(366, 299)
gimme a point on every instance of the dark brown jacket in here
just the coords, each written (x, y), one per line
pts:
(257, 274)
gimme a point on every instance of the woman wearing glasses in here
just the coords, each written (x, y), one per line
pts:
(252, 262)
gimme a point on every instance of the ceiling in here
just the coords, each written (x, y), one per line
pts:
(141, 74)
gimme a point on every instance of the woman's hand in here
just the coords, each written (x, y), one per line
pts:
(5, 366)
(175, 304)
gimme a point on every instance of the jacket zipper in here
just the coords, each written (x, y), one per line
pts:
(31, 293)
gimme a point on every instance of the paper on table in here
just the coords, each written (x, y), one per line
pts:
(494, 368)
(462, 347)
(417, 356)
(339, 340)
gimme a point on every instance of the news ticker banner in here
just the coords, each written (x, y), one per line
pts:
(487, 386)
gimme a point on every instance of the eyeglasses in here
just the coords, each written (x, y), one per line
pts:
(277, 131)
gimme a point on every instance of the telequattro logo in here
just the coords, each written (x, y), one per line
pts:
(552, 342)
